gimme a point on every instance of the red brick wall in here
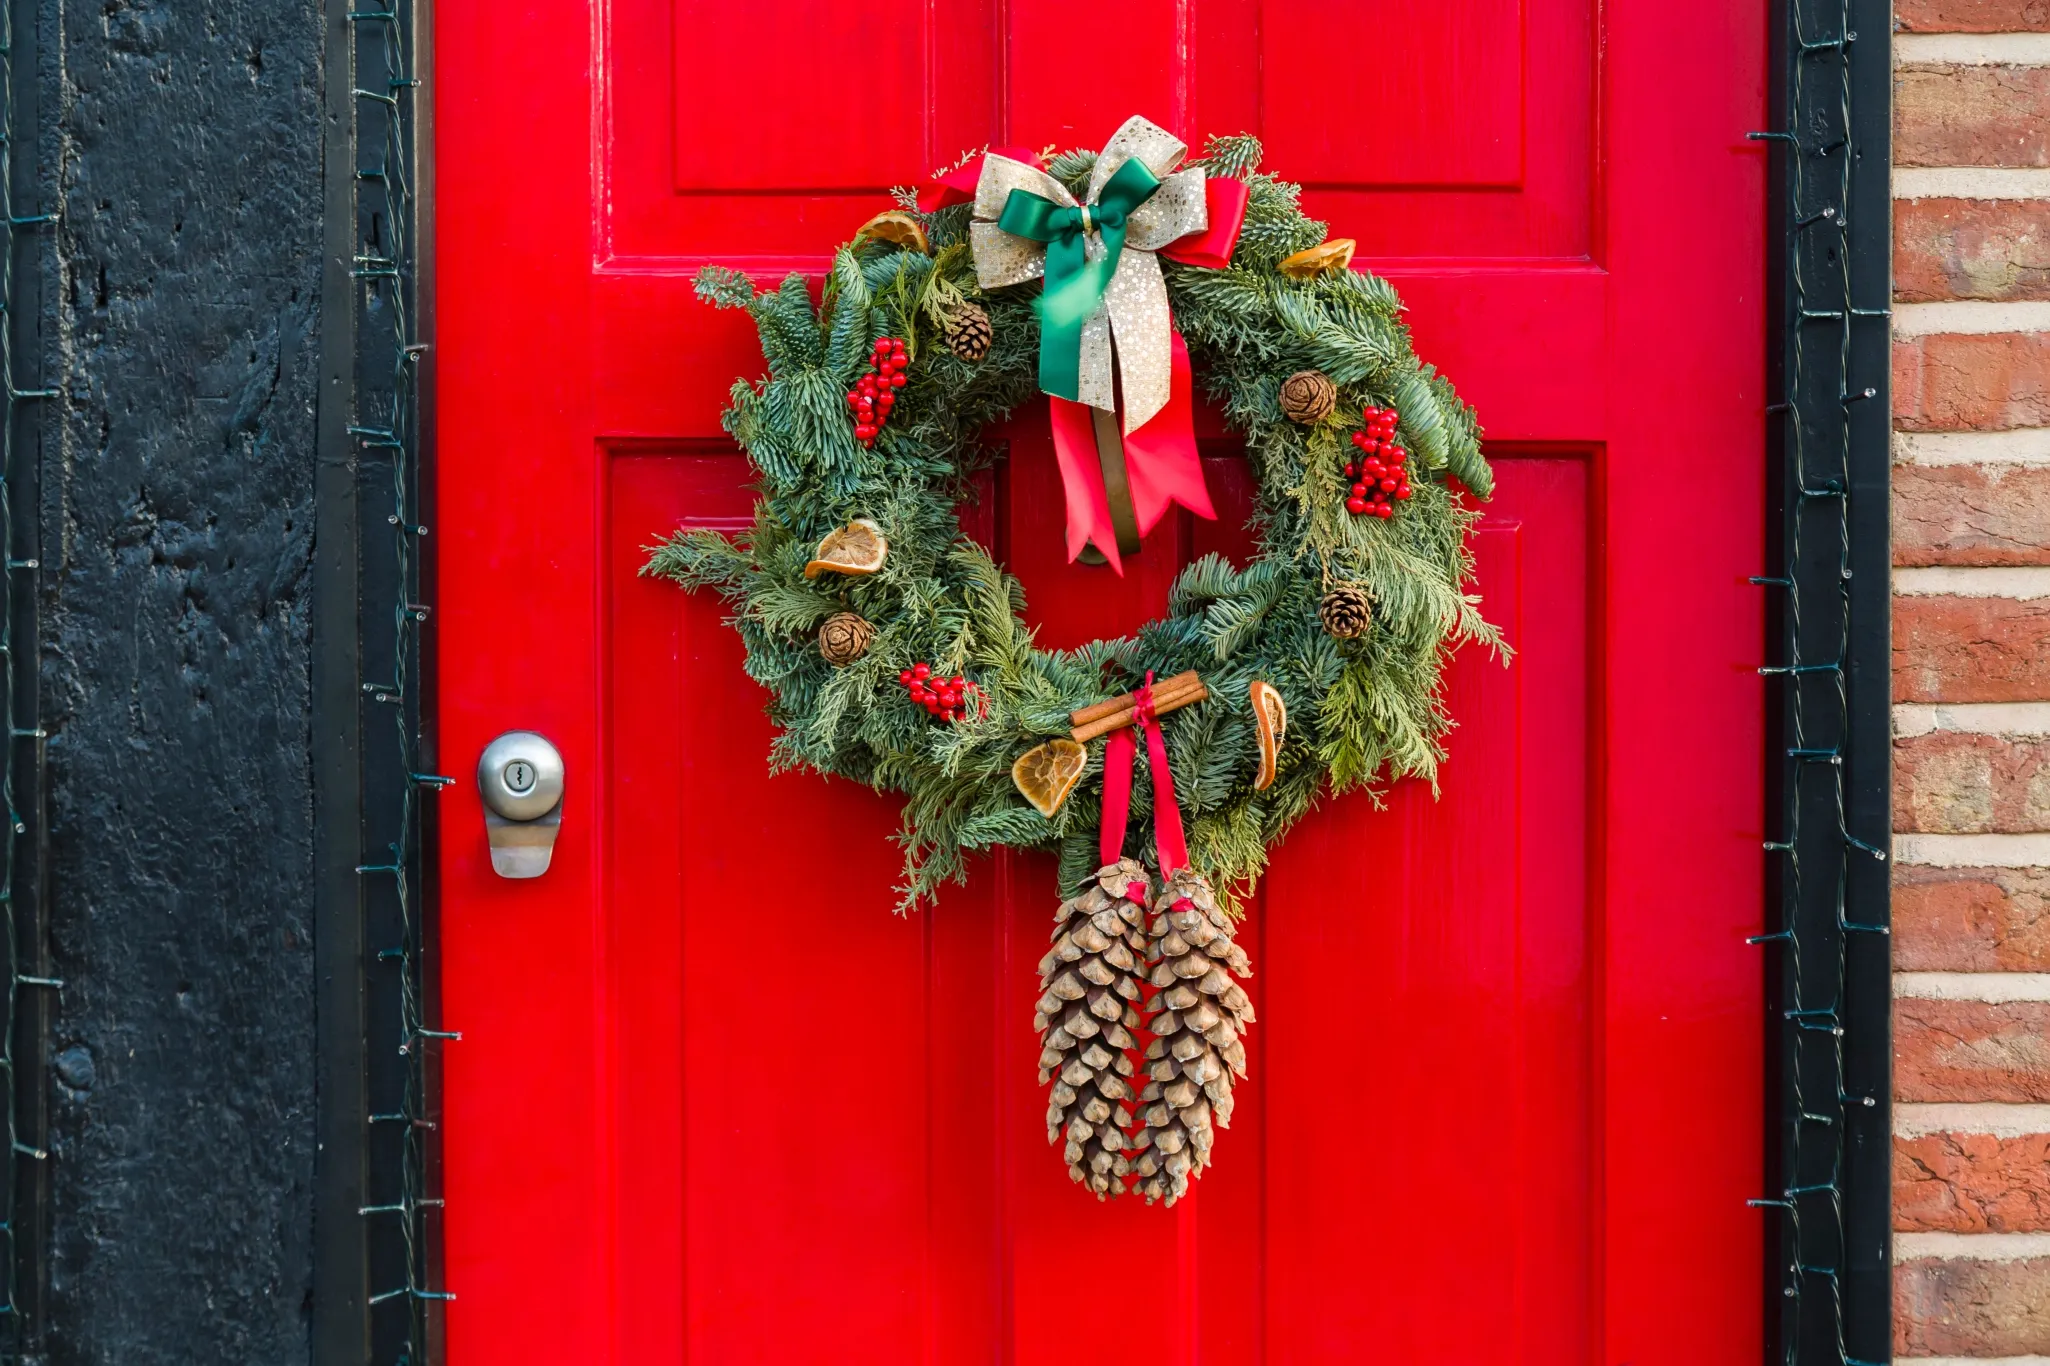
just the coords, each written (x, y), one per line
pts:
(1971, 522)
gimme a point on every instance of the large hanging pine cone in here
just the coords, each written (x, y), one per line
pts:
(969, 333)
(1198, 1048)
(1346, 610)
(844, 638)
(1308, 396)
(1087, 1010)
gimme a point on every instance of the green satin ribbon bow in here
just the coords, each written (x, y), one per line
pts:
(1075, 285)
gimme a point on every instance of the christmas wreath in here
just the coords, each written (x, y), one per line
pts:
(895, 650)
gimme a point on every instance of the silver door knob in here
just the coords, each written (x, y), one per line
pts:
(520, 777)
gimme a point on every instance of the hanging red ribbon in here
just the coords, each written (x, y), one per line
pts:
(1120, 756)
(1162, 467)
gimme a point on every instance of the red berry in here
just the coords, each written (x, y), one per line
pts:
(1355, 506)
(1360, 439)
(1402, 492)
(898, 380)
(921, 671)
(1387, 486)
(1359, 491)
(1384, 511)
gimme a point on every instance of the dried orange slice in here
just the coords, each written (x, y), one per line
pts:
(893, 225)
(1270, 716)
(1311, 262)
(857, 548)
(1047, 773)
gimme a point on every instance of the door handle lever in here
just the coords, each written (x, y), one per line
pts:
(520, 776)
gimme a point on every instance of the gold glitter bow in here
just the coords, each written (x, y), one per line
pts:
(1134, 310)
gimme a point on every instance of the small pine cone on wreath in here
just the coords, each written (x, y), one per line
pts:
(845, 638)
(968, 332)
(1308, 397)
(1090, 983)
(1199, 1036)
(1346, 611)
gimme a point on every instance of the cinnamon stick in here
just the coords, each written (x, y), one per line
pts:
(1096, 711)
(1175, 701)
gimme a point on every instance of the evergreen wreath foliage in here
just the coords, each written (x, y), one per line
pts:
(1362, 711)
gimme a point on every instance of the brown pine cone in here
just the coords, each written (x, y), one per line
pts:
(1088, 1008)
(969, 333)
(1346, 610)
(1199, 1036)
(1308, 396)
(845, 638)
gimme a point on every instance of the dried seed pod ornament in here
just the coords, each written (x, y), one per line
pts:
(844, 638)
(1307, 397)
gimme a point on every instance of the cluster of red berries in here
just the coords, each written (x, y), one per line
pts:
(945, 698)
(875, 393)
(1382, 471)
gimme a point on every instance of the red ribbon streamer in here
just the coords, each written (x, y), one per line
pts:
(1120, 756)
(1162, 467)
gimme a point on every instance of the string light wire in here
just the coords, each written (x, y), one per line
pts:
(388, 432)
(1829, 860)
(29, 982)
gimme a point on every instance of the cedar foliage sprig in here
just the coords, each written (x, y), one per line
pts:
(1362, 711)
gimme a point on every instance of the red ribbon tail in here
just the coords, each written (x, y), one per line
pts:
(1167, 813)
(1161, 462)
(1074, 449)
(1118, 755)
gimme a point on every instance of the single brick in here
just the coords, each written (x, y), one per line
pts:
(1971, 919)
(1951, 649)
(1956, 783)
(1952, 382)
(1972, 16)
(1971, 1050)
(1959, 1306)
(1971, 1183)
(1971, 116)
(1971, 514)
(1971, 249)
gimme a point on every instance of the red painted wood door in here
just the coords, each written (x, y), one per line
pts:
(713, 1103)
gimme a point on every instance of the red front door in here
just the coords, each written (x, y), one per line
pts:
(714, 1103)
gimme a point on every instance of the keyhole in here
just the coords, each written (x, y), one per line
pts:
(519, 777)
